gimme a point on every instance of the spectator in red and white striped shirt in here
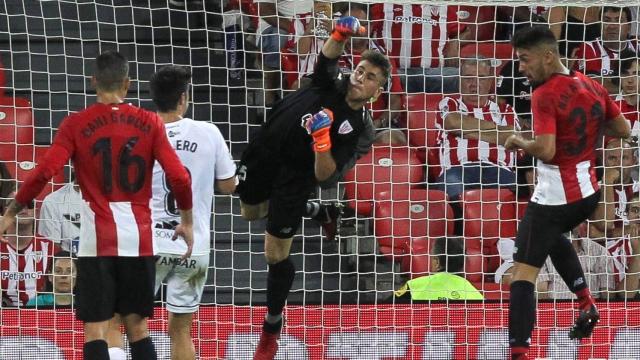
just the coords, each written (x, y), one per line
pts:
(601, 55)
(277, 23)
(386, 108)
(610, 223)
(472, 154)
(421, 38)
(627, 100)
(25, 260)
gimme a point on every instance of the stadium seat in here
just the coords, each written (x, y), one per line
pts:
(377, 171)
(16, 127)
(421, 123)
(23, 166)
(488, 215)
(422, 132)
(289, 67)
(492, 291)
(400, 219)
(419, 262)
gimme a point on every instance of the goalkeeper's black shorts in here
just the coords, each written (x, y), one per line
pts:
(263, 178)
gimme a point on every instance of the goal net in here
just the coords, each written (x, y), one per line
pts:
(403, 217)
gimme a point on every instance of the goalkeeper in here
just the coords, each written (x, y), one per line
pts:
(311, 137)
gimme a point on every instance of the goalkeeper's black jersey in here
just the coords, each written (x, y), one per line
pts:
(287, 142)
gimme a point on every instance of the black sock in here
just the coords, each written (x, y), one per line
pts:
(95, 350)
(143, 350)
(522, 313)
(279, 283)
(565, 260)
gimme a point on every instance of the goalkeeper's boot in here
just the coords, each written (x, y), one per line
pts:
(332, 217)
(585, 323)
(268, 345)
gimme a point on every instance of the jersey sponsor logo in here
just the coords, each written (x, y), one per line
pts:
(20, 276)
(175, 261)
(415, 20)
(173, 133)
(345, 128)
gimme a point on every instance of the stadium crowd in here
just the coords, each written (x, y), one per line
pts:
(454, 95)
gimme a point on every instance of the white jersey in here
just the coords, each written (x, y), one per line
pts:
(59, 219)
(203, 151)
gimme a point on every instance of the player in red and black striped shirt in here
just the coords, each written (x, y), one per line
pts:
(113, 146)
(570, 113)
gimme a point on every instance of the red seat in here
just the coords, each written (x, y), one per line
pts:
(488, 214)
(402, 218)
(289, 67)
(419, 263)
(377, 171)
(23, 166)
(522, 207)
(422, 132)
(16, 127)
(492, 291)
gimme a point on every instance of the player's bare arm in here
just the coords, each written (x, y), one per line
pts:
(185, 231)
(618, 127)
(227, 186)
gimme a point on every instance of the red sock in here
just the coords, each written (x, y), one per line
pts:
(585, 300)
(519, 353)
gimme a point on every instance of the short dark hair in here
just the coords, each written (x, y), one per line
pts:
(378, 59)
(168, 84)
(62, 254)
(616, 9)
(112, 68)
(450, 253)
(627, 58)
(534, 36)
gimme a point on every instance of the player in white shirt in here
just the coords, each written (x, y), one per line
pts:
(203, 151)
(59, 219)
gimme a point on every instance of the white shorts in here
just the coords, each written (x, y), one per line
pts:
(185, 281)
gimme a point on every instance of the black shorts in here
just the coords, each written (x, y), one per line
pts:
(114, 284)
(544, 225)
(261, 179)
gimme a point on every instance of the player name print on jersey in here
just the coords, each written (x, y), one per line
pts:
(101, 121)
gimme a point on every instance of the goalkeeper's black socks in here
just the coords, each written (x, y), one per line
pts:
(522, 316)
(143, 350)
(279, 281)
(95, 350)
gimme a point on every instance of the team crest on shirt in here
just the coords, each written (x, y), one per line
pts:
(38, 255)
(345, 128)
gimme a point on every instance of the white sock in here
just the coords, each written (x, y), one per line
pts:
(116, 353)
